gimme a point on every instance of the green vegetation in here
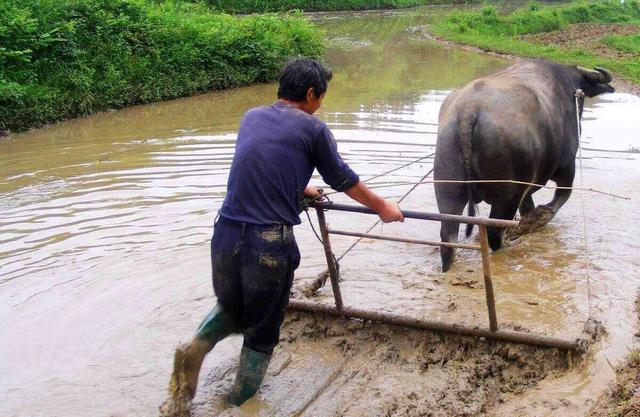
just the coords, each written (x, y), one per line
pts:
(629, 44)
(489, 30)
(65, 58)
(261, 6)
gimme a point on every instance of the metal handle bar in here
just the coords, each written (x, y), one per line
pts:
(420, 215)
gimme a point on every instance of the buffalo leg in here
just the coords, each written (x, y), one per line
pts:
(505, 211)
(560, 197)
(450, 203)
(543, 214)
(526, 208)
(527, 205)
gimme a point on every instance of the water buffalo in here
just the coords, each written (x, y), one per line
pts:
(518, 124)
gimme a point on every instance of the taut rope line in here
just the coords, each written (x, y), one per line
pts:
(378, 221)
(551, 187)
(400, 167)
(321, 279)
(579, 94)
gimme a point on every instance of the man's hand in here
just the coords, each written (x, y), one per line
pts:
(390, 212)
(313, 192)
(387, 210)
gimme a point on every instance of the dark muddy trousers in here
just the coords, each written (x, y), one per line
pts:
(253, 269)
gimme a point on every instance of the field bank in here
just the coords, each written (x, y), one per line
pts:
(563, 33)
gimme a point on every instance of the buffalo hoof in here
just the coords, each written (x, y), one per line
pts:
(447, 255)
(494, 236)
(532, 222)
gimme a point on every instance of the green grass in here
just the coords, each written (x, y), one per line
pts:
(65, 58)
(261, 6)
(488, 29)
(629, 44)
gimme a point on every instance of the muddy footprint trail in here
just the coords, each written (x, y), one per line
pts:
(336, 367)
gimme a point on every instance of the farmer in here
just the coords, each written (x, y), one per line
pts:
(253, 250)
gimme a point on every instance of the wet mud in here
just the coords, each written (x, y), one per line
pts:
(380, 370)
(621, 397)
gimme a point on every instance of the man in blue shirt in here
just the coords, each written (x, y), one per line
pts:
(253, 250)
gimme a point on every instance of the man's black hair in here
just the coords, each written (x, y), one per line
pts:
(299, 75)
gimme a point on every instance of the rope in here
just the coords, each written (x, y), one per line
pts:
(327, 199)
(579, 94)
(325, 275)
(378, 221)
(314, 228)
(400, 167)
(551, 187)
(321, 279)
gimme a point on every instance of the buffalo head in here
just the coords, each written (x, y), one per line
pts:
(594, 82)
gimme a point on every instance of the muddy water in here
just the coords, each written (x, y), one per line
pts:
(104, 251)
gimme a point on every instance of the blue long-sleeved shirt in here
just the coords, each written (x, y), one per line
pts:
(277, 149)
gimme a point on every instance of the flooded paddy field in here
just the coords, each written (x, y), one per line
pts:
(104, 255)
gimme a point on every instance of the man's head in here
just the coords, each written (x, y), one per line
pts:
(304, 82)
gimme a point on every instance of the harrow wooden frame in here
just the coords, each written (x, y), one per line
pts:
(493, 332)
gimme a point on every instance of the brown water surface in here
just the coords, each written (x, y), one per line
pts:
(106, 220)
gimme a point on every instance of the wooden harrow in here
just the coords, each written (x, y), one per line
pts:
(493, 332)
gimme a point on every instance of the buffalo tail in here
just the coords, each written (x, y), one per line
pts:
(466, 124)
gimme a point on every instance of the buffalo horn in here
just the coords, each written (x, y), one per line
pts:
(598, 75)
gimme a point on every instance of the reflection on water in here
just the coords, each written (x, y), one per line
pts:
(106, 220)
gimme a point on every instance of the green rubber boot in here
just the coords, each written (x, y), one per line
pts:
(188, 358)
(216, 326)
(251, 370)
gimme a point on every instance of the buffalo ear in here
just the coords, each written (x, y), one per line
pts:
(598, 75)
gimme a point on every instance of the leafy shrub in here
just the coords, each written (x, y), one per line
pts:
(64, 58)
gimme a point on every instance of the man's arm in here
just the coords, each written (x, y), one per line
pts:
(340, 177)
(387, 210)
